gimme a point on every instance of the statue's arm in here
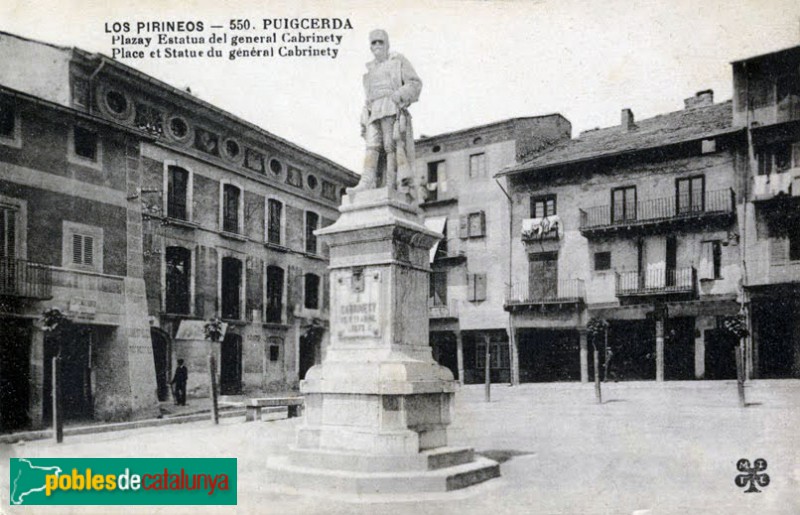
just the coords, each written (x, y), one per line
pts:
(412, 84)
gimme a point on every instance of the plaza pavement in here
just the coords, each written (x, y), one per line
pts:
(648, 449)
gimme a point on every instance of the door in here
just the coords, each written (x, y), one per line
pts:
(161, 353)
(671, 259)
(543, 275)
(230, 372)
(14, 374)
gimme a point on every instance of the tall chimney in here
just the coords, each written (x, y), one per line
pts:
(627, 120)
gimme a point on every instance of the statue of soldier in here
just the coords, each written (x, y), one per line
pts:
(391, 85)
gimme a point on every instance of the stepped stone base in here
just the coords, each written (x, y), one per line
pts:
(439, 470)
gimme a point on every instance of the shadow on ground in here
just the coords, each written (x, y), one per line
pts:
(501, 455)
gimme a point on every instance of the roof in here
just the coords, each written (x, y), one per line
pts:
(768, 54)
(479, 128)
(666, 129)
(324, 161)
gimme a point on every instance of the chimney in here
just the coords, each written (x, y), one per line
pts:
(627, 120)
(700, 99)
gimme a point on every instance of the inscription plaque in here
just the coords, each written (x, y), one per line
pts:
(358, 306)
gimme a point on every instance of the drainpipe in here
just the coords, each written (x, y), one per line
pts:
(512, 337)
(751, 369)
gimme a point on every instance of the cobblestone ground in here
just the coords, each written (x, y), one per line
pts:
(648, 449)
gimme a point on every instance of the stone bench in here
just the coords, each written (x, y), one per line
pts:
(254, 406)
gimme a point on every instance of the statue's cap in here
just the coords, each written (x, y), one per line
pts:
(379, 34)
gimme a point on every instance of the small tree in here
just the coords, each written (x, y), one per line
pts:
(213, 329)
(595, 329)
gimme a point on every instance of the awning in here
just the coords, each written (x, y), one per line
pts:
(436, 224)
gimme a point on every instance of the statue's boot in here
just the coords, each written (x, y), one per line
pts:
(368, 176)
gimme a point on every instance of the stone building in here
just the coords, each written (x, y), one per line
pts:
(68, 239)
(766, 104)
(470, 264)
(636, 225)
(186, 213)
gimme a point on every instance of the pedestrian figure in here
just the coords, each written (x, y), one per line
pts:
(179, 381)
(609, 355)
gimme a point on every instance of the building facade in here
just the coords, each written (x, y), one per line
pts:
(201, 215)
(68, 234)
(766, 104)
(470, 265)
(635, 225)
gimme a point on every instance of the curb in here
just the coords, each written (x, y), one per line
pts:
(117, 426)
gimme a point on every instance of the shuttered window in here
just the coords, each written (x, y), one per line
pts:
(312, 223)
(7, 233)
(476, 287)
(472, 225)
(274, 221)
(82, 250)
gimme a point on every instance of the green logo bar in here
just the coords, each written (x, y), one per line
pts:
(107, 481)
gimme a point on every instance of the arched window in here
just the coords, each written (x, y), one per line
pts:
(311, 296)
(178, 280)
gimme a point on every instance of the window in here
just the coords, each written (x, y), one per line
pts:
(274, 313)
(775, 158)
(477, 165)
(312, 223)
(231, 205)
(543, 206)
(231, 288)
(498, 358)
(294, 178)
(794, 243)
(177, 192)
(8, 233)
(311, 293)
(690, 194)
(274, 351)
(437, 180)
(312, 181)
(438, 289)
(85, 143)
(328, 190)
(178, 280)
(602, 261)
(476, 287)
(274, 221)
(710, 260)
(276, 166)
(623, 204)
(82, 246)
(472, 225)
(8, 119)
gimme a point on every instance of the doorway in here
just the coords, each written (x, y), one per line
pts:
(230, 372)
(75, 344)
(161, 359)
(15, 346)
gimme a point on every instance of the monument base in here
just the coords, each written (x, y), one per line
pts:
(434, 471)
(378, 406)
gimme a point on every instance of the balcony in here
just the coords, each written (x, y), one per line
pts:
(656, 281)
(559, 293)
(442, 310)
(664, 212)
(781, 185)
(538, 229)
(23, 279)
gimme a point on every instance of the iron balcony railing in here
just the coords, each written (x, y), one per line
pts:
(643, 212)
(545, 292)
(656, 281)
(442, 309)
(21, 278)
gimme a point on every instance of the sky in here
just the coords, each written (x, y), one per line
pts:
(480, 62)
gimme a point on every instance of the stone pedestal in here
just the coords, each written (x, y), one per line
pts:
(378, 406)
